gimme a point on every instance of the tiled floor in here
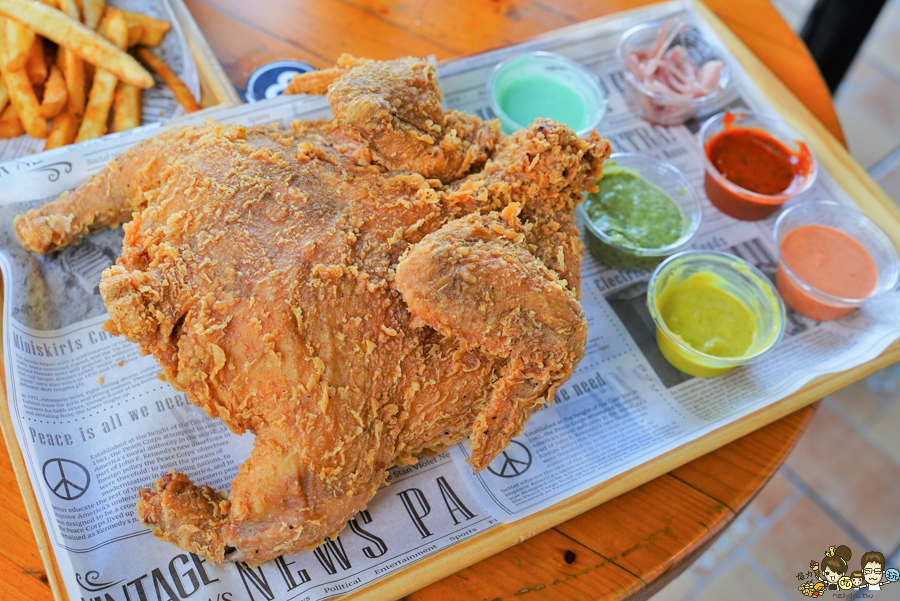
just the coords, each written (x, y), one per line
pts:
(841, 484)
(868, 100)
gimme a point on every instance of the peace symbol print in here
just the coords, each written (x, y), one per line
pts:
(67, 479)
(512, 462)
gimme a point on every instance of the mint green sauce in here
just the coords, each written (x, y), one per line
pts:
(528, 98)
(634, 212)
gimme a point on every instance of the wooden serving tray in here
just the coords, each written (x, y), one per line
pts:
(216, 90)
(832, 155)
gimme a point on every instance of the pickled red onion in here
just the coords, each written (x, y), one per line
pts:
(668, 71)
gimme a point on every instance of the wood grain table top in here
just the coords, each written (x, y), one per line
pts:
(628, 547)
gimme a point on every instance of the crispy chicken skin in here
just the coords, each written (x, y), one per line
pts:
(475, 280)
(317, 82)
(356, 293)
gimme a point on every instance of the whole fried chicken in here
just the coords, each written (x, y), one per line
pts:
(357, 293)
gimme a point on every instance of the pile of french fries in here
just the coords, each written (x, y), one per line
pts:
(67, 61)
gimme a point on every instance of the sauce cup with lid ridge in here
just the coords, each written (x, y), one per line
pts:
(762, 153)
(614, 249)
(540, 84)
(655, 107)
(703, 339)
(848, 261)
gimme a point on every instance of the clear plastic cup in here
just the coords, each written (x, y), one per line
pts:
(739, 279)
(732, 199)
(540, 67)
(655, 107)
(670, 180)
(812, 302)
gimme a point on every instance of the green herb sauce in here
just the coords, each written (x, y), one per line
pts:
(634, 212)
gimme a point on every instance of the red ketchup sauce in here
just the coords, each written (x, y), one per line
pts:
(764, 172)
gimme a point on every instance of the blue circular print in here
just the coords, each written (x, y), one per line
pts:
(271, 79)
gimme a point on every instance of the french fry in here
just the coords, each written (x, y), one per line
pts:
(115, 28)
(10, 124)
(127, 107)
(158, 66)
(73, 73)
(21, 95)
(19, 40)
(36, 67)
(62, 130)
(55, 25)
(135, 34)
(93, 12)
(100, 100)
(72, 66)
(153, 29)
(70, 8)
(4, 95)
(3, 48)
(56, 94)
(3, 22)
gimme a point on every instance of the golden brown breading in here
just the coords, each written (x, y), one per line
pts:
(317, 82)
(72, 216)
(349, 309)
(395, 107)
(475, 280)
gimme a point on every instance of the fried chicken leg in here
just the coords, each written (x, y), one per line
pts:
(356, 293)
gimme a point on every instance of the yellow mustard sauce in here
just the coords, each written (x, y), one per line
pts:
(702, 313)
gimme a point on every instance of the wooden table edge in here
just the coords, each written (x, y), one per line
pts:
(216, 89)
(666, 578)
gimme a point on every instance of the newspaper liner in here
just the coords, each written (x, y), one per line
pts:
(158, 104)
(95, 422)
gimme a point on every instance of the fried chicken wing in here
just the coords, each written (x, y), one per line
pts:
(475, 280)
(356, 293)
(317, 82)
(395, 108)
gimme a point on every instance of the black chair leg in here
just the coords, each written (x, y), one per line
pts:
(834, 32)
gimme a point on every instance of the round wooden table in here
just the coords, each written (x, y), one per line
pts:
(629, 547)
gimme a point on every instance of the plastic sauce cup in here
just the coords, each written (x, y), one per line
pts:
(657, 108)
(740, 280)
(732, 199)
(670, 180)
(525, 87)
(812, 302)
